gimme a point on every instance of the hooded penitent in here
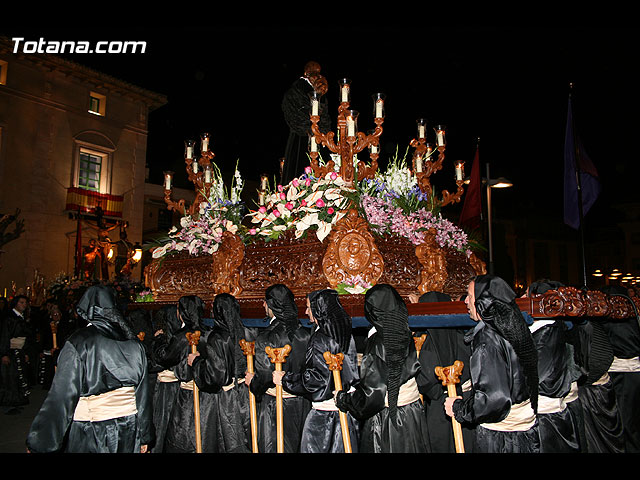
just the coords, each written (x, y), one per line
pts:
(332, 319)
(191, 310)
(282, 303)
(495, 302)
(226, 313)
(98, 306)
(387, 312)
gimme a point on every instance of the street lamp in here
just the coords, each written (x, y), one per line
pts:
(500, 182)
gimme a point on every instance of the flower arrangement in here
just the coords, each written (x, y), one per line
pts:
(306, 203)
(355, 285)
(201, 233)
(393, 204)
(145, 295)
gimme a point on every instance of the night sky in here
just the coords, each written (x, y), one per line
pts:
(508, 86)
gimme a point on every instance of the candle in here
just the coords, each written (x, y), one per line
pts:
(344, 90)
(374, 149)
(419, 164)
(459, 171)
(440, 135)
(422, 127)
(189, 149)
(207, 174)
(378, 105)
(314, 104)
(263, 182)
(195, 166)
(205, 142)
(313, 144)
(352, 115)
(261, 198)
(167, 180)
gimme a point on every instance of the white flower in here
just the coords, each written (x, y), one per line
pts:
(323, 230)
(307, 221)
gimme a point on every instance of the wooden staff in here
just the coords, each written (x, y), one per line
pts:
(277, 356)
(248, 348)
(418, 342)
(54, 332)
(194, 339)
(335, 365)
(450, 376)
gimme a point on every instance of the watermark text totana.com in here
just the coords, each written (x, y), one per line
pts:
(20, 45)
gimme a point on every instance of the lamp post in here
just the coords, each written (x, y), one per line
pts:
(500, 182)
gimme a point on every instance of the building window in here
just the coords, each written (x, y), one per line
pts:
(89, 171)
(3, 72)
(97, 104)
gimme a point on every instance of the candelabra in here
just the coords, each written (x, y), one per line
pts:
(199, 172)
(349, 141)
(424, 165)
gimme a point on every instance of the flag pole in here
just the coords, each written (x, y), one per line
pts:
(576, 149)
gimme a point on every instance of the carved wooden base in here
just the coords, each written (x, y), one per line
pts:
(307, 264)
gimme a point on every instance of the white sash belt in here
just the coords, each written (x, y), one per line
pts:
(408, 393)
(327, 405)
(520, 419)
(114, 404)
(550, 404)
(573, 393)
(167, 376)
(602, 380)
(187, 385)
(625, 365)
(466, 386)
(272, 391)
(17, 343)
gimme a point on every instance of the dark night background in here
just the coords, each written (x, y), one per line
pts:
(508, 86)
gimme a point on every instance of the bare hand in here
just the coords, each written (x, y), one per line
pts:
(143, 448)
(192, 357)
(248, 377)
(277, 377)
(448, 405)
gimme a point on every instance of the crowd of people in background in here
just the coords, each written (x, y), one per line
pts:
(177, 379)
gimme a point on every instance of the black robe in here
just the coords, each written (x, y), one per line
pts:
(498, 382)
(295, 408)
(367, 403)
(602, 426)
(322, 430)
(180, 435)
(14, 375)
(442, 347)
(558, 428)
(99, 358)
(214, 371)
(624, 336)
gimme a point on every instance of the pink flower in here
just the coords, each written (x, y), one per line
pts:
(303, 202)
(319, 203)
(262, 209)
(279, 188)
(308, 170)
(276, 213)
(295, 182)
(333, 175)
(252, 231)
(283, 196)
(289, 206)
(307, 182)
(330, 210)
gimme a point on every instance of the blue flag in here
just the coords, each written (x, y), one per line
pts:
(577, 163)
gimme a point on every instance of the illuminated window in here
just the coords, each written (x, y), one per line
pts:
(97, 104)
(89, 171)
(3, 72)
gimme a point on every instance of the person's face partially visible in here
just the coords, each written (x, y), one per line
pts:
(470, 301)
(309, 313)
(21, 305)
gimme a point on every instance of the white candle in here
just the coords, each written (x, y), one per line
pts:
(207, 175)
(344, 93)
(314, 106)
(261, 198)
(421, 131)
(314, 145)
(374, 149)
(189, 152)
(379, 105)
(459, 172)
(167, 182)
(263, 183)
(351, 127)
(419, 164)
(195, 166)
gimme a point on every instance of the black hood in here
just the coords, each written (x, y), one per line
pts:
(332, 318)
(98, 306)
